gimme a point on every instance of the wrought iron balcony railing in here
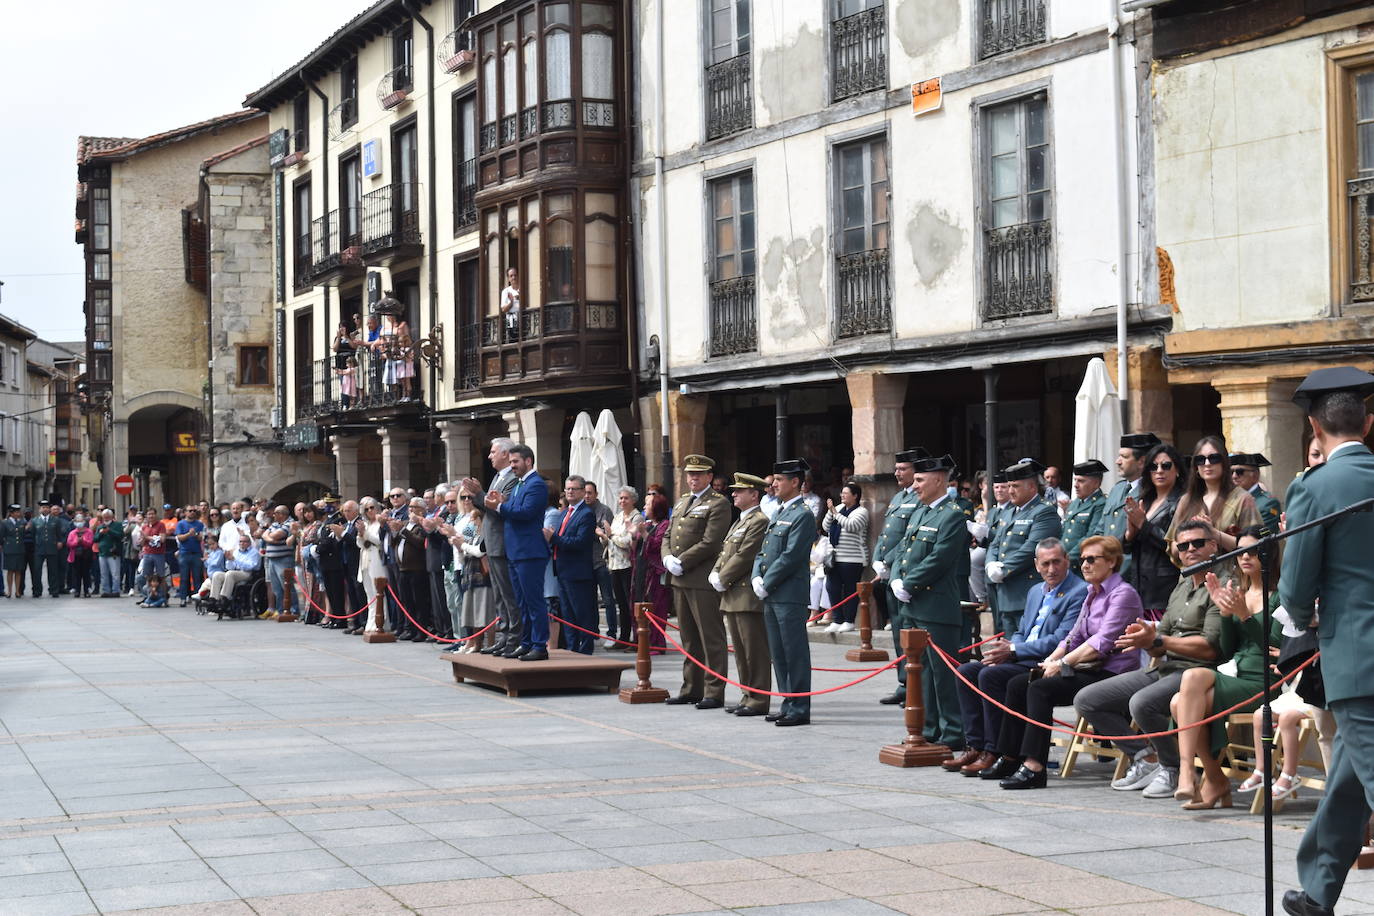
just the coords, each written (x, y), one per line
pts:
(729, 97)
(455, 51)
(336, 241)
(1011, 24)
(858, 53)
(379, 379)
(469, 370)
(1019, 271)
(391, 217)
(465, 212)
(394, 87)
(864, 293)
(302, 268)
(734, 317)
(1360, 193)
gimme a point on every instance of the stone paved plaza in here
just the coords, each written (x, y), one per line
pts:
(158, 761)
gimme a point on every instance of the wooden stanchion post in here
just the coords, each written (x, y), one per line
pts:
(379, 620)
(865, 652)
(915, 750)
(288, 595)
(644, 691)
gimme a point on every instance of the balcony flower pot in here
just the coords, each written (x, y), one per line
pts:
(459, 61)
(394, 99)
(352, 256)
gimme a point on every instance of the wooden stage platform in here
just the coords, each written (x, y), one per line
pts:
(562, 670)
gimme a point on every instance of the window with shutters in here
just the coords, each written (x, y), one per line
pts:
(862, 266)
(733, 307)
(1018, 231)
(729, 68)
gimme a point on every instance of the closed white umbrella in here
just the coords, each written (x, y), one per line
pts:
(583, 444)
(1097, 421)
(608, 458)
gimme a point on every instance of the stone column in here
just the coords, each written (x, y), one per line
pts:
(686, 435)
(541, 428)
(457, 438)
(1258, 415)
(346, 473)
(395, 456)
(1150, 406)
(876, 400)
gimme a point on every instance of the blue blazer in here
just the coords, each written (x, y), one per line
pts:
(523, 514)
(573, 562)
(1063, 614)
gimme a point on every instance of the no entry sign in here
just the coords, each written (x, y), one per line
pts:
(124, 485)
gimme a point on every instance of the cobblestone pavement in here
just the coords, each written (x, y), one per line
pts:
(158, 761)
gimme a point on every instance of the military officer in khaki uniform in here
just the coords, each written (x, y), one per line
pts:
(889, 548)
(700, 520)
(743, 609)
(1084, 512)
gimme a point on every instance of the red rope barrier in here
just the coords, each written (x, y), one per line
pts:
(771, 693)
(818, 616)
(434, 636)
(981, 641)
(553, 616)
(312, 603)
(953, 666)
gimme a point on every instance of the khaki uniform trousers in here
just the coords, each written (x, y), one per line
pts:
(752, 661)
(703, 636)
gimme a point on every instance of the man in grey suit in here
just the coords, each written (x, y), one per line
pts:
(509, 629)
(1331, 563)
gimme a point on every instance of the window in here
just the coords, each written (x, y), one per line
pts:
(1353, 92)
(253, 365)
(100, 319)
(558, 210)
(465, 161)
(100, 266)
(729, 84)
(600, 246)
(734, 322)
(17, 376)
(488, 51)
(598, 65)
(301, 233)
(402, 58)
(858, 47)
(348, 92)
(1018, 275)
(1006, 25)
(100, 219)
(863, 296)
(404, 168)
(529, 50)
(350, 200)
(100, 368)
(300, 123)
(558, 52)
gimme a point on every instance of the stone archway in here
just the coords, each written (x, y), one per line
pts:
(294, 492)
(164, 446)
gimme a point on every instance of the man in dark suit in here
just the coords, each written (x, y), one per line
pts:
(438, 555)
(509, 632)
(409, 542)
(329, 555)
(1331, 563)
(571, 542)
(352, 557)
(1050, 612)
(527, 551)
(782, 576)
(396, 510)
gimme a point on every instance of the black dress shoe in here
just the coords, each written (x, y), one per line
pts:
(750, 711)
(1026, 778)
(491, 650)
(894, 699)
(793, 720)
(772, 717)
(1001, 769)
(537, 655)
(710, 703)
(520, 652)
(681, 700)
(729, 710)
(419, 637)
(1299, 904)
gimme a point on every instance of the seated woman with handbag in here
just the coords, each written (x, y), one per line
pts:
(1087, 655)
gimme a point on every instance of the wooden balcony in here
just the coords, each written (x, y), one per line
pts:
(562, 346)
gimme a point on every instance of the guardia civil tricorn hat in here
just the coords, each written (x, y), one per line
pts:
(1329, 381)
(1025, 469)
(1090, 468)
(795, 467)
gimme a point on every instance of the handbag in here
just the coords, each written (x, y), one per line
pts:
(1295, 651)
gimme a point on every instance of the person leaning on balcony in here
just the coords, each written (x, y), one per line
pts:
(510, 305)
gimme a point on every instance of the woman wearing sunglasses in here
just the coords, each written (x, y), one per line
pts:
(1213, 497)
(1149, 519)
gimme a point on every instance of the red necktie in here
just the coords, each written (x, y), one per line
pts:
(567, 517)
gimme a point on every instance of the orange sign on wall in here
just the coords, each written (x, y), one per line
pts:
(926, 96)
(184, 443)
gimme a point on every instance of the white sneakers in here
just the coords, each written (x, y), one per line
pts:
(1163, 785)
(1140, 775)
(833, 628)
(845, 627)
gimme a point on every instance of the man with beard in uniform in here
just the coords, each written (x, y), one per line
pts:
(890, 544)
(699, 522)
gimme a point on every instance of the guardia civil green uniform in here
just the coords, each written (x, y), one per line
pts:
(782, 570)
(1268, 506)
(1332, 564)
(1012, 545)
(890, 545)
(928, 570)
(1114, 522)
(1082, 515)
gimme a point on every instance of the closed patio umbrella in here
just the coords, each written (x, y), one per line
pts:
(1097, 420)
(608, 458)
(583, 444)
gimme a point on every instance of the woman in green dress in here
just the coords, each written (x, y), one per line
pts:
(1205, 692)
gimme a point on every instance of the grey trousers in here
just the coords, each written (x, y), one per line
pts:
(510, 630)
(1111, 704)
(1336, 832)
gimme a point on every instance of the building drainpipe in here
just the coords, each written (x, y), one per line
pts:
(1122, 206)
(324, 201)
(662, 254)
(627, 250)
(431, 164)
(204, 196)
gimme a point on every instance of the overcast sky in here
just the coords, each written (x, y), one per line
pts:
(126, 69)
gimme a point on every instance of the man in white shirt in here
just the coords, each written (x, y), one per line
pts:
(510, 305)
(233, 526)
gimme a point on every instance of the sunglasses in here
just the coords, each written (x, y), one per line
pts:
(1251, 551)
(1213, 458)
(1195, 544)
(466, 499)
(1160, 466)
(1090, 559)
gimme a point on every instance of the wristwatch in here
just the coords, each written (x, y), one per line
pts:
(1158, 643)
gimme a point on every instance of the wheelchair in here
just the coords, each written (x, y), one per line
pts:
(248, 599)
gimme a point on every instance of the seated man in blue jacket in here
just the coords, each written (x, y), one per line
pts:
(1051, 610)
(571, 541)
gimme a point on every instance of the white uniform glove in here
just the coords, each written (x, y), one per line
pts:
(899, 589)
(714, 579)
(997, 571)
(758, 587)
(672, 564)
(880, 569)
(977, 529)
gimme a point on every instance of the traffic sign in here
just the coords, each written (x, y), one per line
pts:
(124, 485)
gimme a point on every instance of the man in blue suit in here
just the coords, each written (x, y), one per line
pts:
(527, 551)
(1051, 610)
(571, 542)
